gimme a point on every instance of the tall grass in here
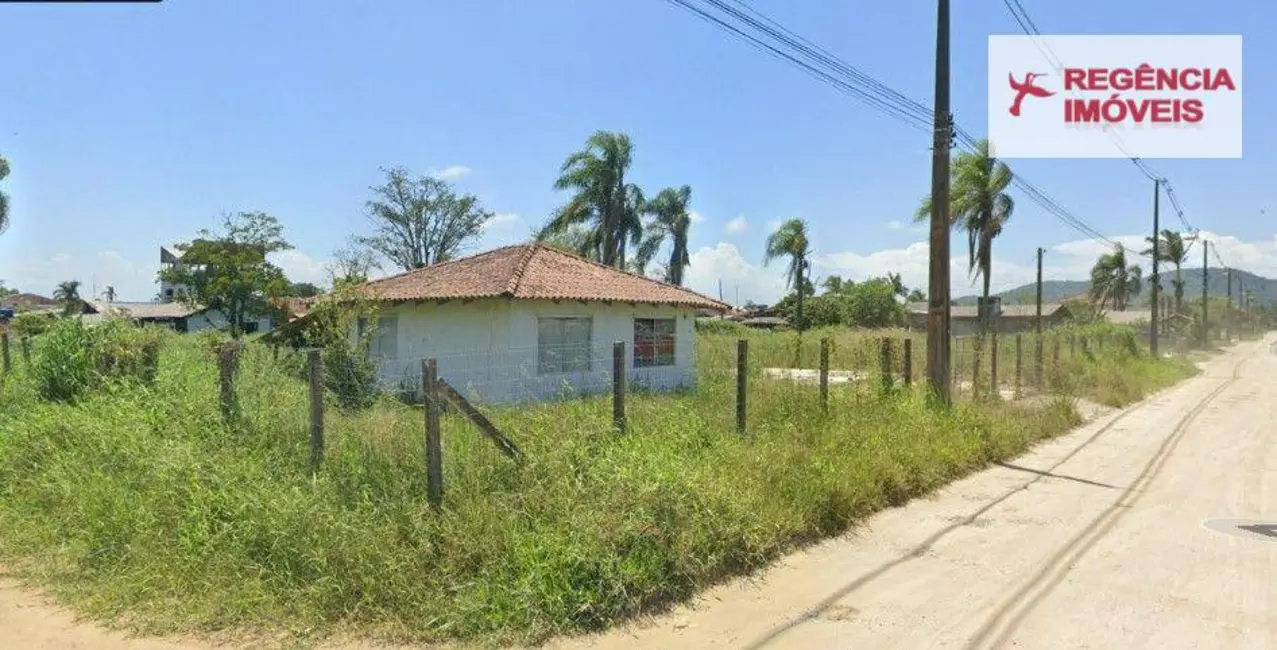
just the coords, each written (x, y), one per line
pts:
(137, 505)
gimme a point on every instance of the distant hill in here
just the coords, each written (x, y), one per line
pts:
(1265, 289)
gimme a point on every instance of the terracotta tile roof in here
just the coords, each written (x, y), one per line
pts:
(531, 272)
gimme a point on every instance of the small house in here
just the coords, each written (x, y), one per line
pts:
(531, 323)
(1006, 319)
(176, 315)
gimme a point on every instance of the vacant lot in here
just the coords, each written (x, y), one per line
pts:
(134, 503)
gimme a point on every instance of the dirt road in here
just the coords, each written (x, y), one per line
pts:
(1095, 539)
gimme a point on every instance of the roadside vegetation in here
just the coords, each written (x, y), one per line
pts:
(131, 501)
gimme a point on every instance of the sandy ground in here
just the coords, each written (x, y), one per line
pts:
(1095, 539)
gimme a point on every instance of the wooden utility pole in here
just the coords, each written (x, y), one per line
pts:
(1037, 318)
(1157, 253)
(938, 289)
(1205, 281)
(1228, 306)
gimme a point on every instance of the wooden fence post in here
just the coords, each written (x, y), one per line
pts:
(227, 360)
(434, 442)
(1019, 363)
(4, 350)
(316, 409)
(24, 342)
(908, 365)
(993, 365)
(824, 373)
(886, 364)
(618, 385)
(1037, 360)
(742, 371)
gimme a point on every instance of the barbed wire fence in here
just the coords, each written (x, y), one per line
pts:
(473, 384)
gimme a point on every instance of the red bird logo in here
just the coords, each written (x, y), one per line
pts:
(1026, 88)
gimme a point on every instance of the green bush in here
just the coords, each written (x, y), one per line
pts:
(74, 358)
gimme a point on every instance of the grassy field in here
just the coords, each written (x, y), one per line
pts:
(136, 505)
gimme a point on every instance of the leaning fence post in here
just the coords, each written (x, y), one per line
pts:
(434, 444)
(993, 365)
(824, 373)
(4, 350)
(908, 355)
(618, 385)
(742, 369)
(316, 409)
(227, 359)
(885, 353)
(1019, 363)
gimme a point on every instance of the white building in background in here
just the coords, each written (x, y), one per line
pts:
(529, 323)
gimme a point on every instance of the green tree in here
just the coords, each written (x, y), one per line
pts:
(575, 239)
(917, 296)
(302, 290)
(670, 220)
(835, 284)
(109, 294)
(1113, 281)
(229, 270)
(68, 293)
(979, 205)
(790, 240)
(5, 292)
(1171, 249)
(873, 304)
(604, 202)
(352, 264)
(421, 221)
(4, 198)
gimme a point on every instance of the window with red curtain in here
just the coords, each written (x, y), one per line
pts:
(653, 342)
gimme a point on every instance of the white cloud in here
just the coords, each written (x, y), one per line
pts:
(724, 262)
(503, 229)
(300, 267)
(451, 172)
(738, 225)
(501, 220)
(895, 224)
(695, 216)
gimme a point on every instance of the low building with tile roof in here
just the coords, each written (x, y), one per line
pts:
(530, 322)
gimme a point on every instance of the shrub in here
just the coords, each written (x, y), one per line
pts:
(74, 358)
(343, 329)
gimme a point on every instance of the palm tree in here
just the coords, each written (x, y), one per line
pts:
(1112, 280)
(68, 293)
(979, 204)
(897, 285)
(1171, 249)
(670, 218)
(790, 240)
(4, 198)
(109, 294)
(606, 203)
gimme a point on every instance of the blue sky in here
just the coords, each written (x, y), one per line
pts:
(133, 126)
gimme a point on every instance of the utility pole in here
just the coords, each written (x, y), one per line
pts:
(1037, 319)
(1157, 253)
(1205, 281)
(1228, 306)
(938, 289)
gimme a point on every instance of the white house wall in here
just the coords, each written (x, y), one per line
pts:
(488, 348)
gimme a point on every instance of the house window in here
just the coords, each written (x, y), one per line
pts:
(653, 342)
(385, 341)
(563, 345)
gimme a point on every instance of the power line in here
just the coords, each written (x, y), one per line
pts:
(1021, 16)
(837, 72)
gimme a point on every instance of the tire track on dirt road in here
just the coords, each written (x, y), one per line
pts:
(927, 544)
(1007, 618)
